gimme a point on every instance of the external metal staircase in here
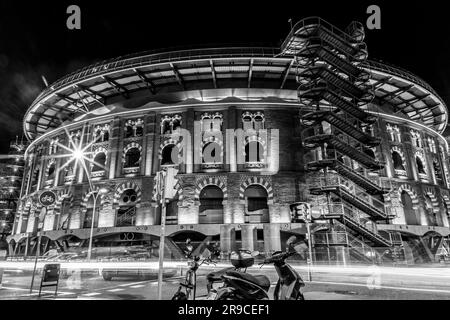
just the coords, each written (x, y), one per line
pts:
(337, 92)
(338, 121)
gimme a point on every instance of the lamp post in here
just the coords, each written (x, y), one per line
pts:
(95, 194)
(79, 155)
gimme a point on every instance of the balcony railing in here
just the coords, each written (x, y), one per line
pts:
(131, 170)
(98, 174)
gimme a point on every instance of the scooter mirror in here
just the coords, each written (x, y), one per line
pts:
(255, 253)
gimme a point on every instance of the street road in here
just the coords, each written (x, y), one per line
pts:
(328, 283)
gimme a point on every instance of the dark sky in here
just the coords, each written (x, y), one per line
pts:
(34, 40)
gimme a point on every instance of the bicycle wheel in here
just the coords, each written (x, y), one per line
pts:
(189, 283)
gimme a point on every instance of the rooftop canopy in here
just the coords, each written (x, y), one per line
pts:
(122, 78)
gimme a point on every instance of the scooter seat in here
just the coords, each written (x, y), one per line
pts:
(259, 280)
(216, 276)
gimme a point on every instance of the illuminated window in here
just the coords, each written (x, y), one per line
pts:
(254, 152)
(134, 128)
(99, 162)
(398, 161)
(169, 155)
(211, 122)
(432, 145)
(170, 124)
(253, 121)
(211, 207)
(416, 139)
(51, 171)
(132, 158)
(420, 162)
(394, 132)
(101, 133)
(420, 166)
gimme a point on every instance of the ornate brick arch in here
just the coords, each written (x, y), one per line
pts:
(434, 200)
(407, 188)
(167, 142)
(399, 151)
(102, 150)
(255, 138)
(85, 199)
(256, 181)
(446, 198)
(125, 186)
(60, 197)
(130, 146)
(210, 181)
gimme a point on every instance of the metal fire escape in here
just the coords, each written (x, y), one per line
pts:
(339, 138)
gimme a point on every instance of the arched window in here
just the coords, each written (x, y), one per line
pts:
(51, 171)
(132, 158)
(211, 153)
(254, 152)
(99, 162)
(431, 216)
(256, 198)
(169, 155)
(126, 215)
(256, 204)
(211, 208)
(420, 166)
(139, 131)
(64, 215)
(69, 171)
(165, 127)
(398, 161)
(410, 215)
(134, 128)
(98, 135)
(90, 212)
(105, 135)
(259, 122)
(129, 131)
(169, 124)
(247, 122)
(437, 168)
(35, 178)
(176, 123)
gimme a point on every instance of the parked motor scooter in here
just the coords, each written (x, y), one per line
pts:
(289, 282)
(239, 285)
(214, 279)
(242, 286)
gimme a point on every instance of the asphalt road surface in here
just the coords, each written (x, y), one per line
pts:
(328, 283)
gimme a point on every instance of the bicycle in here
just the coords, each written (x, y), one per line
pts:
(190, 280)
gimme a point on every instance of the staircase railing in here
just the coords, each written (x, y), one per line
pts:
(126, 218)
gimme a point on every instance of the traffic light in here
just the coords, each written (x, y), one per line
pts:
(300, 211)
(170, 183)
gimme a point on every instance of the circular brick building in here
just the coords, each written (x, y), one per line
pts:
(231, 121)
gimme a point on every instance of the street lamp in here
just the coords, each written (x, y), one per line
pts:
(95, 194)
(79, 155)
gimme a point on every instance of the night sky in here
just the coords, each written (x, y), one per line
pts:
(35, 42)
